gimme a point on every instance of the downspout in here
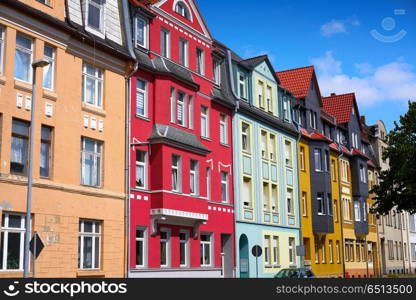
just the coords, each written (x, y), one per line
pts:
(341, 211)
(128, 37)
(237, 106)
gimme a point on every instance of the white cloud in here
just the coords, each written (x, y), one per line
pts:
(395, 81)
(338, 26)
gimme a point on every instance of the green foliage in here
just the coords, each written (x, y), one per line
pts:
(397, 187)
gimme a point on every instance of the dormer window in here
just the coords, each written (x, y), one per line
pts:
(182, 10)
(142, 32)
(242, 85)
(95, 14)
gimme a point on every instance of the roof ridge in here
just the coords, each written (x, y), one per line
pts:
(339, 95)
(254, 57)
(298, 68)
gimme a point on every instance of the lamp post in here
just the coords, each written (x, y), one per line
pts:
(36, 64)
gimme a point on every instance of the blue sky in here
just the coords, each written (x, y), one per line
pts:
(336, 37)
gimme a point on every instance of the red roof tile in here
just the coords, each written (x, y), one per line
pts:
(334, 146)
(340, 106)
(371, 164)
(297, 81)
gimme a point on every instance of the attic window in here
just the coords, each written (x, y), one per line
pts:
(95, 14)
(181, 9)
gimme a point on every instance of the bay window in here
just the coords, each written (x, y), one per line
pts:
(194, 177)
(176, 173)
(181, 109)
(357, 211)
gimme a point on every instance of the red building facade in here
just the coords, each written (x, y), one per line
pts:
(181, 189)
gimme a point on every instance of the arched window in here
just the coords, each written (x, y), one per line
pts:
(182, 9)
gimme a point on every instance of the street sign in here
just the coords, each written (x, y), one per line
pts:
(300, 250)
(36, 245)
(256, 251)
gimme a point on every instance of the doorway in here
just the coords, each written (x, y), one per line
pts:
(244, 257)
(226, 255)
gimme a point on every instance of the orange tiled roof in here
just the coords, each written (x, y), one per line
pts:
(340, 106)
(297, 81)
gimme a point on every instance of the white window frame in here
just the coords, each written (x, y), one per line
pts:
(145, 32)
(200, 61)
(51, 66)
(93, 235)
(165, 42)
(208, 181)
(323, 250)
(190, 112)
(225, 183)
(178, 169)
(186, 245)
(183, 43)
(2, 42)
(291, 248)
(97, 154)
(274, 198)
(99, 88)
(6, 230)
(144, 165)
(269, 98)
(168, 247)
(203, 243)
(272, 147)
(248, 196)
(304, 204)
(101, 7)
(247, 135)
(337, 252)
(318, 163)
(145, 98)
(357, 211)
(267, 250)
(331, 253)
(242, 85)
(288, 154)
(173, 105)
(217, 71)
(289, 199)
(223, 129)
(321, 204)
(144, 242)
(181, 103)
(28, 51)
(275, 251)
(205, 118)
(194, 177)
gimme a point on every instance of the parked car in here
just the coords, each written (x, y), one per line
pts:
(295, 273)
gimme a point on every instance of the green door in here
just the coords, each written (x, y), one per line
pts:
(244, 262)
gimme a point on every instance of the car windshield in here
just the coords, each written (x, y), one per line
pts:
(287, 273)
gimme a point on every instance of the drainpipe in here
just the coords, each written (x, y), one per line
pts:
(128, 37)
(341, 212)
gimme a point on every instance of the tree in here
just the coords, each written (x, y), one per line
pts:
(397, 185)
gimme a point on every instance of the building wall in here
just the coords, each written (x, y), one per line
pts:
(60, 201)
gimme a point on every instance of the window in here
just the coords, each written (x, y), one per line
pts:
(23, 58)
(276, 256)
(164, 248)
(321, 204)
(172, 105)
(95, 14)
(316, 252)
(363, 174)
(329, 202)
(326, 161)
(242, 86)
(91, 162)
(45, 151)
(18, 155)
(337, 252)
(292, 257)
(365, 211)
(200, 65)
(272, 147)
(209, 183)
(333, 171)
(194, 177)
(216, 65)
(92, 85)
(245, 137)
(141, 247)
(290, 202)
(12, 242)
(317, 154)
(184, 248)
(182, 10)
(313, 119)
(141, 169)
(176, 173)
(269, 102)
(357, 251)
(288, 154)
(260, 93)
(355, 140)
(302, 158)
(183, 52)
(205, 250)
(49, 70)
(323, 252)
(347, 209)
(223, 129)
(181, 109)
(204, 122)
(247, 192)
(266, 200)
(89, 244)
(141, 98)
(357, 212)
(191, 112)
(224, 187)
(264, 144)
(335, 211)
(413, 251)
(165, 42)
(331, 253)
(286, 108)
(304, 204)
(1, 48)
(266, 246)
(141, 32)
(275, 199)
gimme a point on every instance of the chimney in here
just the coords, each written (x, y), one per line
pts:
(362, 119)
(333, 94)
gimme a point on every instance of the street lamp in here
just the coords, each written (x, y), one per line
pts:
(40, 63)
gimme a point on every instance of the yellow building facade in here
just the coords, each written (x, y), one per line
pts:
(78, 200)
